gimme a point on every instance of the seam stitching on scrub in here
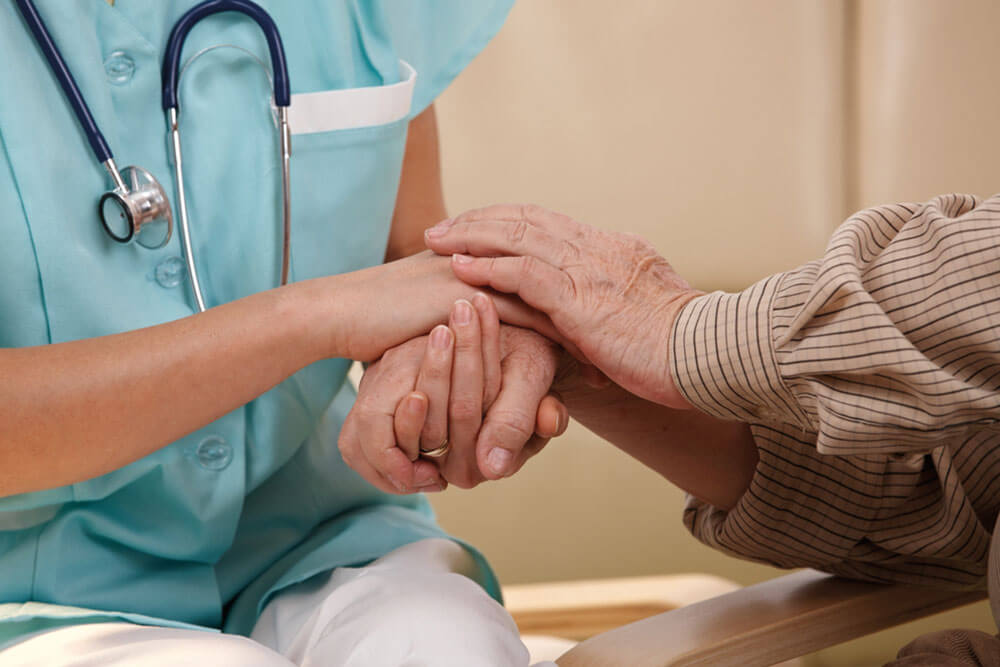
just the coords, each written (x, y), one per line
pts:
(31, 234)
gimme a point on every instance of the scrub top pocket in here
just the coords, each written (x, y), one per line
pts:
(347, 155)
(346, 212)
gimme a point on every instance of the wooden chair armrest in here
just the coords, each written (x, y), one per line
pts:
(766, 623)
(581, 609)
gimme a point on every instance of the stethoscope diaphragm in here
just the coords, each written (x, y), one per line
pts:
(138, 212)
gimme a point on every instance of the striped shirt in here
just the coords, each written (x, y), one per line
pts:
(871, 380)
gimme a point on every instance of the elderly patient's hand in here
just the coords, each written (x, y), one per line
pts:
(480, 387)
(609, 294)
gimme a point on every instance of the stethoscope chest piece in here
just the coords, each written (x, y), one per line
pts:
(137, 210)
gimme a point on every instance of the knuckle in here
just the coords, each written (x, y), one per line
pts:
(436, 372)
(528, 265)
(465, 409)
(512, 426)
(638, 244)
(571, 253)
(534, 361)
(533, 211)
(516, 231)
(562, 217)
(570, 287)
(467, 339)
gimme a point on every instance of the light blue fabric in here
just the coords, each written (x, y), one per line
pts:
(205, 530)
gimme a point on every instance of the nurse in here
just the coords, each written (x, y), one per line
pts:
(167, 474)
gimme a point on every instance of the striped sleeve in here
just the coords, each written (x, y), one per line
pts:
(871, 380)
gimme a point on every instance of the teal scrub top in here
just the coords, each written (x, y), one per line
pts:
(203, 532)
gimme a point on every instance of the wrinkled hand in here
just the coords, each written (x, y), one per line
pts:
(609, 294)
(480, 386)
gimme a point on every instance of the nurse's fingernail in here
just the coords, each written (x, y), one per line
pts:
(481, 300)
(441, 337)
(462, 259)
(498, 459)
(440, 228)
(463, 312)
(396, 483)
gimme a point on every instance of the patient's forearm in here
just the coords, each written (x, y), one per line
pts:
(712, 459)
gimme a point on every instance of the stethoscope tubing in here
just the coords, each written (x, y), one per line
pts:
(52, 54)
(175, 44)
(282, 98)
(170, 78)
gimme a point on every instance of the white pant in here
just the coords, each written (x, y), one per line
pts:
(411, 607)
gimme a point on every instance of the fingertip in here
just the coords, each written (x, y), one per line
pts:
(441, 337)
(416, 404)
(496, 462)
(483, 303)
(462, 313)
(462, 260)
(563, 420)
(439, 230)
(548, 419)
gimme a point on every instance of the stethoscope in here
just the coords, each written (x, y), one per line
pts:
(137, 209)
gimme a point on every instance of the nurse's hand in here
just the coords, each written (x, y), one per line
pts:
(421, 393)
(609, 294)
(372, 310)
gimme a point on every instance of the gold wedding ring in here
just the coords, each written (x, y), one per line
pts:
(437, 452)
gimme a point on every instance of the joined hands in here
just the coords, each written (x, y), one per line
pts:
(476, 386)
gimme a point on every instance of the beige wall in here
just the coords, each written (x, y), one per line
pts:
(926, 106)
(696, 124)
(735, 136)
